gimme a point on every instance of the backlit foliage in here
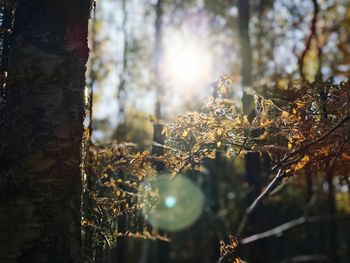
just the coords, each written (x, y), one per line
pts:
(311, 131)
(229, 248)
(115, 173)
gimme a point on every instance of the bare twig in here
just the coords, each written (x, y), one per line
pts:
(258, 200)
(337, 154)
(164, 146)
(308, 258)
(278, 231)
(280, 175)
(309, 39)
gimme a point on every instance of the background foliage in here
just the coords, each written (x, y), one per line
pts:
(299, 127)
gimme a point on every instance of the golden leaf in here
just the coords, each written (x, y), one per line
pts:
(301, 164)
(284, 114)
(237, 122)
(299, 104)
(185, 133)
(245, 120)
(165, 131)
(263, 136)
(264, 123)
(345, 157)
(219, 131)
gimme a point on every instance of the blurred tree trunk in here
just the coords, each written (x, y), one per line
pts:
(333, 229)
(122, 244)
(157, 54)
(41, 138)
(122, 91)
(162, 249)
(253, 165)
(246, 54)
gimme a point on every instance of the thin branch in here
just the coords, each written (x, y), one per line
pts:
(308, 258)
(278, 231)
(337, 154)
(280, 175)
(309, 39)
(258, 200)
(164, 146)
(300, 150)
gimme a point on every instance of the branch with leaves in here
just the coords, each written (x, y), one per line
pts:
(310, 132)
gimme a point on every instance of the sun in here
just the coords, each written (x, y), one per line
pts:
(188, 62)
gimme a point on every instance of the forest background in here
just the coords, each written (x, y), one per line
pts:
(162, 58)
(214, 130)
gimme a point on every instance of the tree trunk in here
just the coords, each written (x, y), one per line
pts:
(253, 173)
(333, 229)
(253, 167)
(157, 54)
(6, 15)
(246, 54)
(161, 249)
(40, 177)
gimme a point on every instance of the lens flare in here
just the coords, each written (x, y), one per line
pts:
(171, 203)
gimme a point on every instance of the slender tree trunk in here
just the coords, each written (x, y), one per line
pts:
(122, 93)
(122, 243)
(158, 52)
(333, 229)
(162, 249)
(253, 167)
(253, 161)
(40, 177)
(309, 185)
(246, 54)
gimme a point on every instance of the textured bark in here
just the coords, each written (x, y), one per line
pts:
(40, 176)
(6, 16)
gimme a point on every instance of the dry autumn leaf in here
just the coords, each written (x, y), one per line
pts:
(301, 164)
